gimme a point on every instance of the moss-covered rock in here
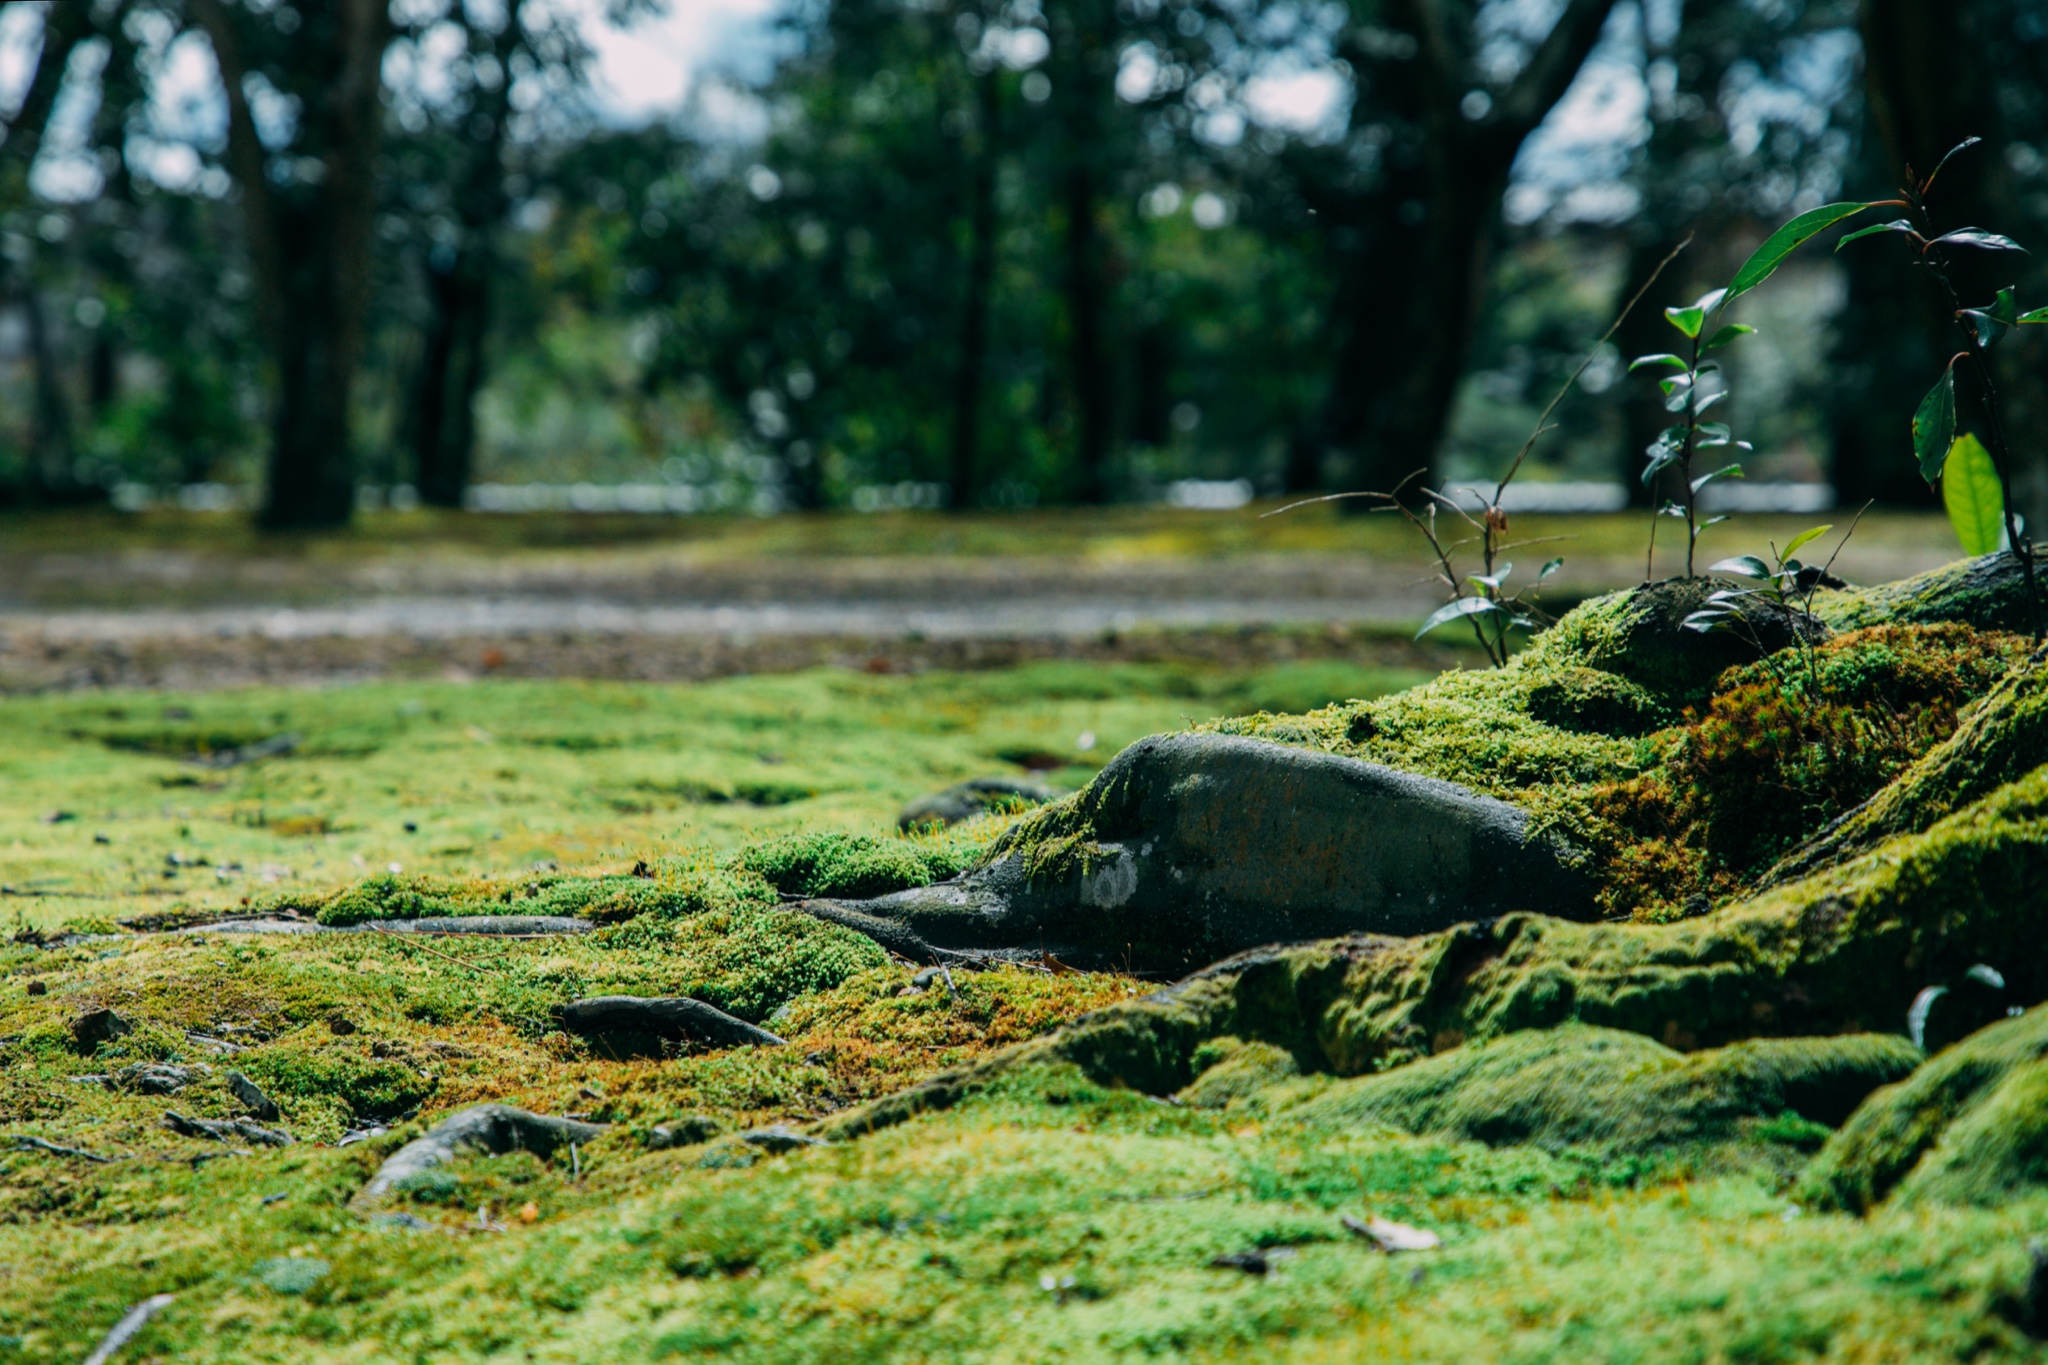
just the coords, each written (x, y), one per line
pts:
(1988, 593)
(1231, 1070)
(1971, 1126)
(1189, 847)
(1575, 1085)
(1844, 951)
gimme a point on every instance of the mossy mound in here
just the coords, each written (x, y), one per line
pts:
(856, 866)
(1969, 1127)
(1845, 951)
(1987, 593)
(668, 890)
(1615, 1091)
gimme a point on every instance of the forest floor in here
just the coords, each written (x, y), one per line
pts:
(1046, 1217)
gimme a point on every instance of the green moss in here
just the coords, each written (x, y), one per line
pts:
(1987, 593)
(856, 866)
(752, 960)
(1230, 1070)
(316, 1065)
(1615, 1091)
(385, 897)
(1999, 740)
(1841, 952)
(1971, 1126)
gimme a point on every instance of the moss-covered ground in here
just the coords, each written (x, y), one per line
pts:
(1695, 1135)
(109, 808)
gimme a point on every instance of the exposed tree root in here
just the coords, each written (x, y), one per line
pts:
(631, 1023)
(492, 1128)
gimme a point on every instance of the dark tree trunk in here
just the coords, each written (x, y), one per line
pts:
(1409, 296)
(50, 448)
(452, 366)
(1928, 90)
(451, 373)
(1082, 85)
(1085, 308)
(981, 269)
(310, 244)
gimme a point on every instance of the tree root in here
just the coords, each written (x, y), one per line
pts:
(895, 937)
(492, 1128)
(226, 1130)
(26, 1143)
(500, 926)
(638, 1024)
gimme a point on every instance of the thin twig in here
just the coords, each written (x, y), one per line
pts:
(132, 1322)
(1566, 387)
(382, 932)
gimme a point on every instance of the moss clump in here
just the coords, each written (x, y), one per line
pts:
(315, 1065)
(1231, 1071)
(855, 866)
(1617, 1091)
(384, 897)
(1782, 748)
(752, 960)
(1971, 1126)
(1587, 701)
(2001, 739)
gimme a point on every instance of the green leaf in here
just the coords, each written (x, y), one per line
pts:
(1550, 568)
(1964, 145)
(1687, 320)
(1464, 606)
(1895, 225)
(1728, 334)
(1978, 237)
(1934, 425)
(1969, 489)
(1782, 243)
(2037, 315)
(1983, 325)
(1749, 566)
(1710, 300)
(1805, 538)
(1726, 471)
(1492, 581)
(1669, 361)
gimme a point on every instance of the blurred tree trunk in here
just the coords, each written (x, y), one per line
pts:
(1409, 292)
(1927, 91)
(50, 450)
(452, 367)
(981, 269)
(307, 215)
(1084, 67)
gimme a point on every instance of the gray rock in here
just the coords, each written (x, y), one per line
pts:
(976, 796)
(1189, 847)
(686, 1131)
(778, 1139)
(252, 1097)
(157, 1078)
